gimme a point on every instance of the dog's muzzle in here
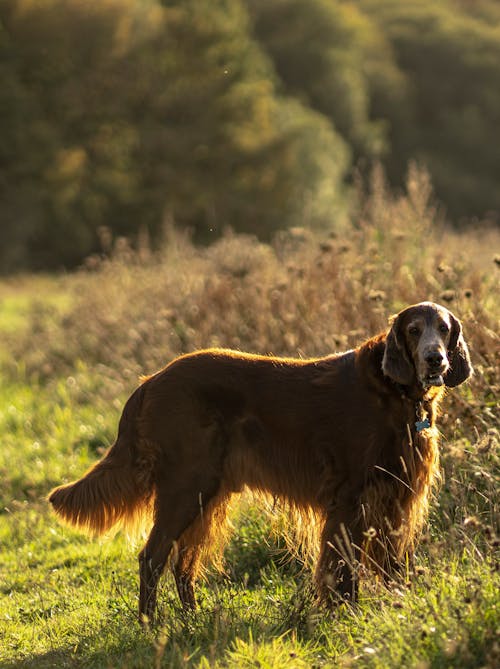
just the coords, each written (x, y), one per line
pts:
(436, 366)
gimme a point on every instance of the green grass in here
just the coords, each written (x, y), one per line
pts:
(20, 294)
(70, 352)
(69, 601)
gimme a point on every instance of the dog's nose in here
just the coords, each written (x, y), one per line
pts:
(434, 359)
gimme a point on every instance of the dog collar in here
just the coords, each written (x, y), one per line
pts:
(422, 422)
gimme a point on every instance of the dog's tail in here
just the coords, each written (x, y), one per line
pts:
(117, 491)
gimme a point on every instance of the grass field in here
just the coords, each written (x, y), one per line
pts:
(71, 350)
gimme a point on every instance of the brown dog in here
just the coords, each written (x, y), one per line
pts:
(351, 437)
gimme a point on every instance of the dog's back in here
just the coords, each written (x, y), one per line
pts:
(262, 422)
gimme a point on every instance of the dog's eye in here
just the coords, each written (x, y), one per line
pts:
(444, 328)
(413, 330)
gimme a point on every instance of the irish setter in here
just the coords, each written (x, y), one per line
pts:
(350, 437)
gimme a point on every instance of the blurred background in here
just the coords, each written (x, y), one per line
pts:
(274, 176)
(118, 116)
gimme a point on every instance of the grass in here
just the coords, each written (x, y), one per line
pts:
(71, 350)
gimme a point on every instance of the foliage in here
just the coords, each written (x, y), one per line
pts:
(400, 81)
(450, 54)
(250, 114)
(71, 350)
(332, 55)
(123, 113)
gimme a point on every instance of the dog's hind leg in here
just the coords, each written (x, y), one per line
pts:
(174, 514)
(152, 560)
(187, 477)
(179, 518)
(185, 568)
(339, 559)
(197, 538)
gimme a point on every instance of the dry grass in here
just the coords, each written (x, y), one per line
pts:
(130, 312)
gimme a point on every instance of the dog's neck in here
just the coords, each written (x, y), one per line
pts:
(422, 402)
(417, 393)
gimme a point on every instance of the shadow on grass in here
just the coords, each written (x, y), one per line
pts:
(142, 654)
(180, 639)
(257, 617)
(180, 643)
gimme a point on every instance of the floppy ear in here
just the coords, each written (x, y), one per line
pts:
(395, 363)
(458, 356)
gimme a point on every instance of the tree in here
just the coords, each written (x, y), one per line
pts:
(450, 52)
(331, 55)
(131, 110)
(228, 148)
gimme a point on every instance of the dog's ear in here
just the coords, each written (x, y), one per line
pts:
(396, 364)
(458, 356)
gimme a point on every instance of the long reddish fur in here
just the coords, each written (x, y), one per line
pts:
(114, 493)
(215, 422)
(119, 491)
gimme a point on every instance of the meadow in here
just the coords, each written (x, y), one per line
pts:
(72, 347)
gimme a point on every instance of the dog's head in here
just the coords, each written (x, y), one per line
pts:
(425, 345)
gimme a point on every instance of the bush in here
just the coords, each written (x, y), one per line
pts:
(131, 312)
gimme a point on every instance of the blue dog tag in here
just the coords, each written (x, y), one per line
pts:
(422, 424)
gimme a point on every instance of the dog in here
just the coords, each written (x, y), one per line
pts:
(351, 437)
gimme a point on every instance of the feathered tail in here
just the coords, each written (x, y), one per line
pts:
(117, 491)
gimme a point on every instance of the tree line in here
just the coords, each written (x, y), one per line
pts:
(122, 114)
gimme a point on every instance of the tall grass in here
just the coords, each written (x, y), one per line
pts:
(130, 311)
(72, 351)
